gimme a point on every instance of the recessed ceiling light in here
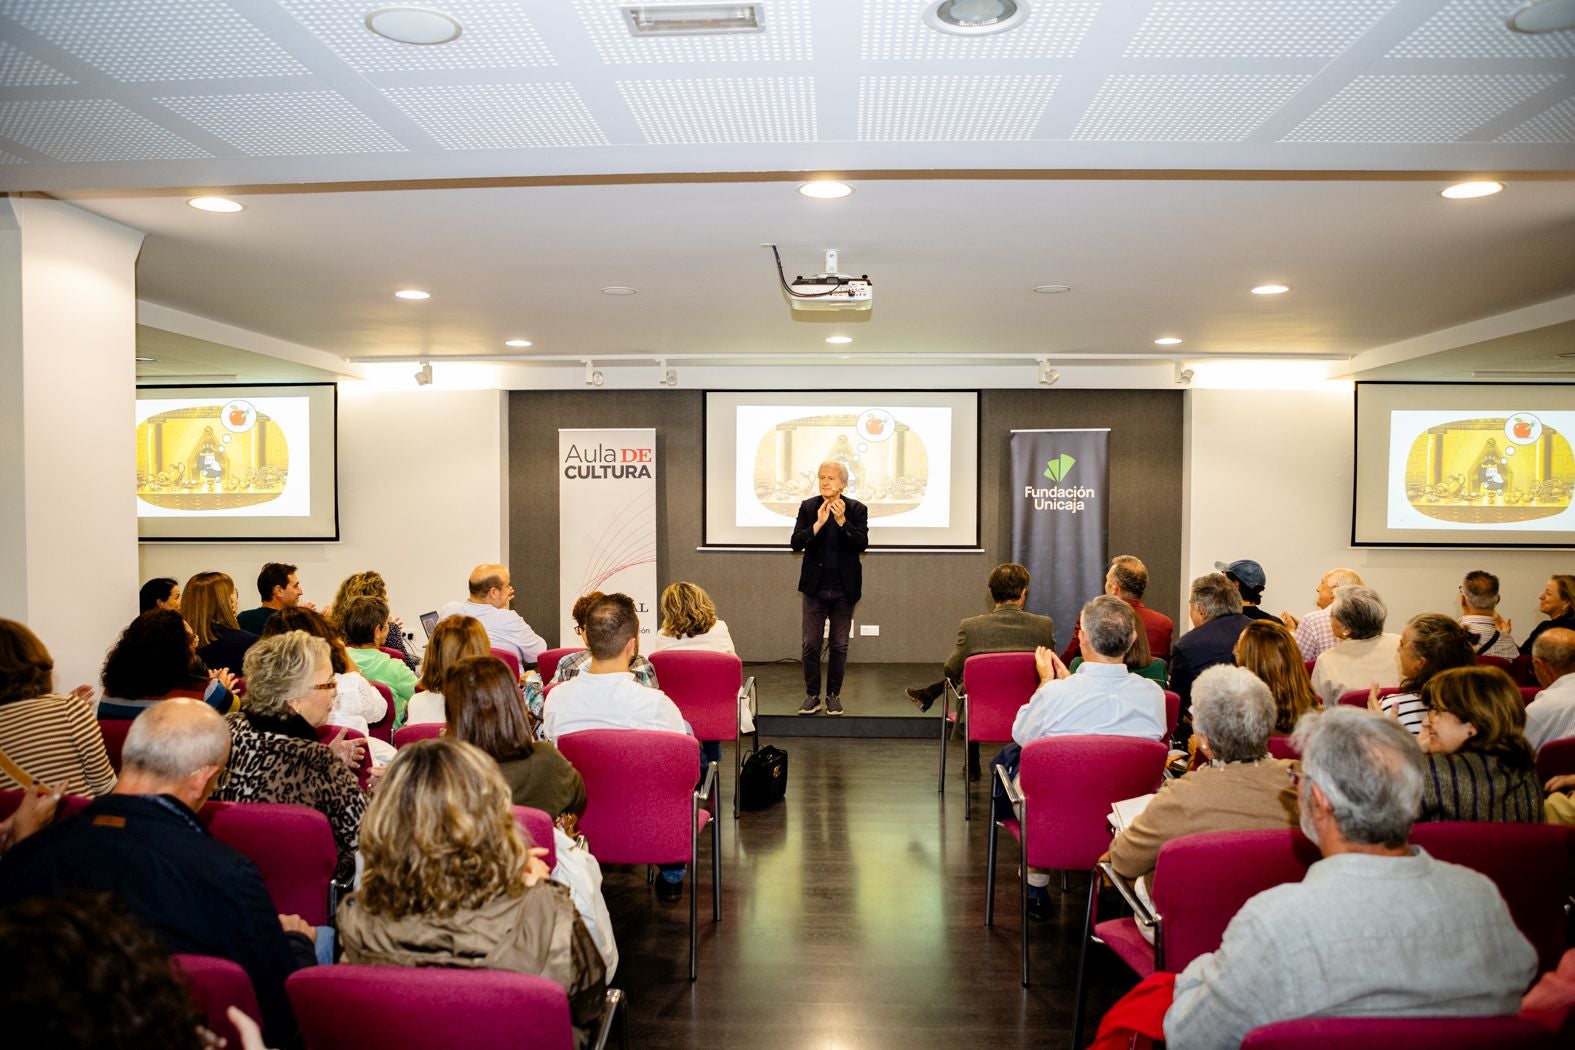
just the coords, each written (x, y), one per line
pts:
(1271, 289)
(825, 190)
(1543, 16)
(516, 342)
(406, 24)
(1052, 289)
(215, 204)
(838, 340)
(412, 293)
(1166, 340)
(143, 360)
(975, 17)
(620, 289)
(1461, 191)
(689, 19)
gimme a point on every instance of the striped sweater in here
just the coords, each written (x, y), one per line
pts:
(55, 740)
(1474, 785)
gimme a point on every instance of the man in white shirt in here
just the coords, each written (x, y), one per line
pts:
(1313, 631)
(1552, 715)
(1478, 605)
(490, 594)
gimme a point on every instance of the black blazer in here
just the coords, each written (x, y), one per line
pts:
(849, 540)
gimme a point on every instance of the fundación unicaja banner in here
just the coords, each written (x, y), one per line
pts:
(607, 522)
(1061, 519)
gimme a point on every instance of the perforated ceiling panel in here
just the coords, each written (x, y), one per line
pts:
(785, 37)
(285, 123)
(754, 109)
(496, 34)
(895, 29)
(952, 108)
(1139, 107)
(91, 129)
(143, 43)
(1476, 29)
(1555, 124)
(10, 158)
(1251, 29)
(1416, 108)
(500, 116)
(19, 69)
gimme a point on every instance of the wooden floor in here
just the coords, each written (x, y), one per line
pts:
(852, 917)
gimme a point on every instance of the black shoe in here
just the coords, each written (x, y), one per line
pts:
(669, 891)
(922, 700)
(833, 704)
(810, 706)
(1039, 907)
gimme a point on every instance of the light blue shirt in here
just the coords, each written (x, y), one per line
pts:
(1099, 699)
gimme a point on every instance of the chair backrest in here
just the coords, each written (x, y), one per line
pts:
(1358, 697)
(214, 986)
(1555, 758)
(350, 1006)
(705, 687)
(1403, 1033)
(70, 805)
(292, 846)
(1495, 661)
(1069, 784)
(1309, 665)
(1533, 866)
(508, 657)
(1172, 713)
(639, 787)
(420, 731)
(1528, 693)
(383, 727)
(363, 770)
(547, 662)
(1282, 747)
(537, 826)
(1201, 881)
(389, 650)
(997, 685)
(114, 731)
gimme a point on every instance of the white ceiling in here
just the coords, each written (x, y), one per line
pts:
(1160, 156)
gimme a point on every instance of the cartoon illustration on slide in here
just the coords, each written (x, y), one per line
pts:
(888, 466)
(1490, 470)
(211, 457)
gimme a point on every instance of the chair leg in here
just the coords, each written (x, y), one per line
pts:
(694, 903)
(945, 725)
(989, 872)
(1022, 889)
(716, 864)
(738, 768)
(967, 783)
(1082, 959)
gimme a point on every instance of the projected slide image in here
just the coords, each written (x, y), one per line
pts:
(1510, 469)
(202, 458)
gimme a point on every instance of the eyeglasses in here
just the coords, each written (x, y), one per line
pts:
(330, 684)
(221, 779)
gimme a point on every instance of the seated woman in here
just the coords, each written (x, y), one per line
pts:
(209, 605)
(1270, 651)
(154, 659)
(1363, 655)
(357, 704)
(364, 624)
(689, 621)
(370, 584)
(450, 881)
(485, 709)
(1139, 660)
(51, 738)
(274, 753)
(1480, 764)
(162, 593)
(1430, 643)
(453, 639)
(574, 663)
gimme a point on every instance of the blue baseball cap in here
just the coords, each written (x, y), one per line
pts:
(1249, 572)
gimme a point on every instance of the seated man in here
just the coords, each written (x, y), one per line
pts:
(1005, 629)
(1313, 632)
(1249, 578)
(279, 588)
(364, 623)
(1377, 928)
(1214, 607)
(1552, 717)
(144, 844)
(1479, 615)
(1127, 579)
(490, 594)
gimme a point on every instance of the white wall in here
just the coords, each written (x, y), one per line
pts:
(422, 500)
(1269, 478)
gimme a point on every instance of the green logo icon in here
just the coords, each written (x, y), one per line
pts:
(1058, 468)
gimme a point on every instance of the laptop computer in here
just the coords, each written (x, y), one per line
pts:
(429, 622)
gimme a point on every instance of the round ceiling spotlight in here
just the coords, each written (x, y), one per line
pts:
(413, 294)
(1543, 16)
(839, 340)
(518, 344)
(975, 17)
(620, 289)
(1052, 289)
(1271, 289)
(407, 24)
(1167, 340)
(826, 190)
(220, 204)
(1464, 191)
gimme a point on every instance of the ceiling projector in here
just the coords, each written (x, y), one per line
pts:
(828, 290)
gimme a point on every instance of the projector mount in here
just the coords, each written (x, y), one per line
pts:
(830, 290)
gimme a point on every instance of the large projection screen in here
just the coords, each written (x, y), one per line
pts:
(1464, 465)
(912, 457)
(238, 463)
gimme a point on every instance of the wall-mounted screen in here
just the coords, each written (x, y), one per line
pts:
(237, 462)
(1458, 465)
(911, 456)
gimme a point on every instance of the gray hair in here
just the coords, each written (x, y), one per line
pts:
(280, 669)
(1342, 578)
(174, 738)
(1370, 770)
(1215, 596)
(1480, 590)
(1130, 574)
(1360, 611)
(1235, 710)
(1555, 647)
(842, 468)
(1107, 623)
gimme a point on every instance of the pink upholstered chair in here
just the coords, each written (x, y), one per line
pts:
(69, 806)
(363, 770)
(392, 653)
(348, 1007)
(1172, 713)
(547, 662)
(537, 826)
(383, 727)
(1408, 1033)
(214, 986)
(707, 688)
(114, 731)
(1075, 780)
(995, 686)
(509, 658)
(292, 846)
(405, 735)
(1358, 697)
(1496, 661)
(1528, 693)
(642, 806)
(1283, 747)
(1555, 758)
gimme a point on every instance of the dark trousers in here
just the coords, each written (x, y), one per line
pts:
(818, 608)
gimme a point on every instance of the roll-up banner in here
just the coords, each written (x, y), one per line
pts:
(1061, 519)
(607, 522)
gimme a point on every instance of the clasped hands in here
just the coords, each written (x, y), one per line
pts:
(834, 508)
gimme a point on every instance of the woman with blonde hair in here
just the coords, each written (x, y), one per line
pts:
(1270, 651)
(689, 621)
(369, 584)
(1557, 603)
(450, 880)
(453, 639)
(208, 603)
(1480, 766)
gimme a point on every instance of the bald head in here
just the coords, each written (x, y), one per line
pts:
(1553, 654)
(169, 742)
(490, 585)
(1336, 578)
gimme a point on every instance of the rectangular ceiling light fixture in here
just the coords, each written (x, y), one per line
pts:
(691, 19)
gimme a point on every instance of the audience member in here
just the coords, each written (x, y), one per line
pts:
(490, 594)
(1557, 603)
(1479, 764)
(279, 588)
(1214, 607)
(485, 710)
(1268, 651)
(1431, 643)
(1313, 631)
(162, 593)
(1127, 579)
(33, 812)
(274, 753)
(154, 659)
(689, 621)
(1250, 581)
(575, 662)
(370, 584)
(1138, 660)
(357, 703)
(451, 881)
(1007, 628)
(1363, 655)
(1552, 716)
(452, 640)
(48, 738)
(1478, 605)
(1242, 787)
(209, 605)
(364, 623)
(144, 844)
(1377, 928)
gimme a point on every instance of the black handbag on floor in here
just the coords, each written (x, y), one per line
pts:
(763, 780)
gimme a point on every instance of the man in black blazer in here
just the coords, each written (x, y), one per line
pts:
(832, 530)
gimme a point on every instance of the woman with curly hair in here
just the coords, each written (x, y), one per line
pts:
(450, 880)
(1480, 766)
(1430, 643)
(1270, 651)
(51, 738)
(209, 605)
(689, 621)
(370, 584)
(154, 659)
(453, 639)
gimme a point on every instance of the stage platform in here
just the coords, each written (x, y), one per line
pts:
(872, 697)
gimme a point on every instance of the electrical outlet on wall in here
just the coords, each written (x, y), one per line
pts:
(869, 630)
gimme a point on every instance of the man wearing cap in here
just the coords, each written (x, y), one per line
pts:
(1249, 579)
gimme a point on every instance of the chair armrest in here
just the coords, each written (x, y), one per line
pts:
(707, 785)
(949, 694)
(1013, 796)
(747, 690)
(612, 1009)
(1140, 911)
